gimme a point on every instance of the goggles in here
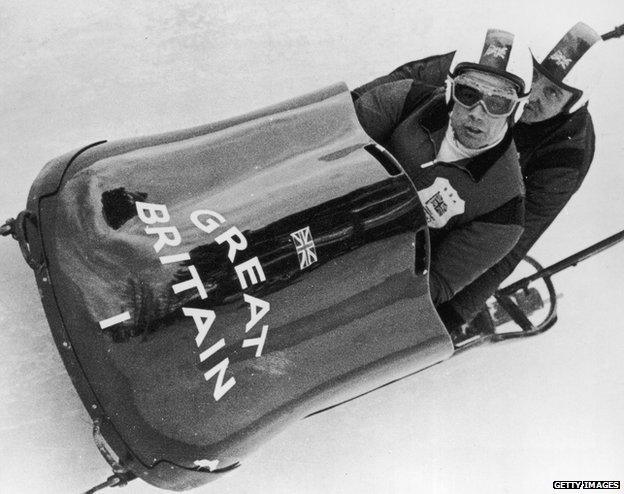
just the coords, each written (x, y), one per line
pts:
(468, 93)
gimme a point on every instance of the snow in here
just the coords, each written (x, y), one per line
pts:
(509, 418)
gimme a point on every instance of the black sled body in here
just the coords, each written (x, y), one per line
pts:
(207, 287)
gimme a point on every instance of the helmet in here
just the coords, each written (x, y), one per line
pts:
(501, 54)
(573, 63)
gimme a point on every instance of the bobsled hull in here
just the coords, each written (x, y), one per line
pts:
(209, 286)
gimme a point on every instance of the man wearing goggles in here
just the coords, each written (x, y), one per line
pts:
(456, 146)
(555, 139)
(485, 101)
(469, 93)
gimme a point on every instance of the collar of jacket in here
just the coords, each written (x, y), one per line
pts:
(561, 126)
(434, 117)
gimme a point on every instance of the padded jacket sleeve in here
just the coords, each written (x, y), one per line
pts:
(431, 70)
(379, 111)
(547, 191)
(467, 252)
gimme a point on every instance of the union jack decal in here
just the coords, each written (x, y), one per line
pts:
(496, 51)
(304, 244)
(560, 59)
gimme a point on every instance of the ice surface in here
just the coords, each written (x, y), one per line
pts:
(508, 418)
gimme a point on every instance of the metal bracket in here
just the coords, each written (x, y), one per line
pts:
(17, 229)
(121, 475)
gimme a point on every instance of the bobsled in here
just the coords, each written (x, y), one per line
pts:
(207, 287)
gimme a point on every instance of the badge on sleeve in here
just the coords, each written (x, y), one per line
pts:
(441, 202)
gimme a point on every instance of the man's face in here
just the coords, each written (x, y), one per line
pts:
(474, 127)
(545, 101)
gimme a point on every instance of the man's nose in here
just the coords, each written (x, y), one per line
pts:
(478, 111)
(536, 97)
(537, 92)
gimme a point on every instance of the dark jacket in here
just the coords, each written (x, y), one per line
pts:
(431, 70)
(555, 156)
(474, 206)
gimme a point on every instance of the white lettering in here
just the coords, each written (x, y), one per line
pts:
(157, 212)
(206, 354)
(219, 369)
(220, 388)
(251, 267)
(249, 273)
(207, 464)
(111, 321)
(175, 258)
(259, 341)
(254, 305)
(167, 235)
(210, 225)
(194, 282)
(203, 321)
(230, 237)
